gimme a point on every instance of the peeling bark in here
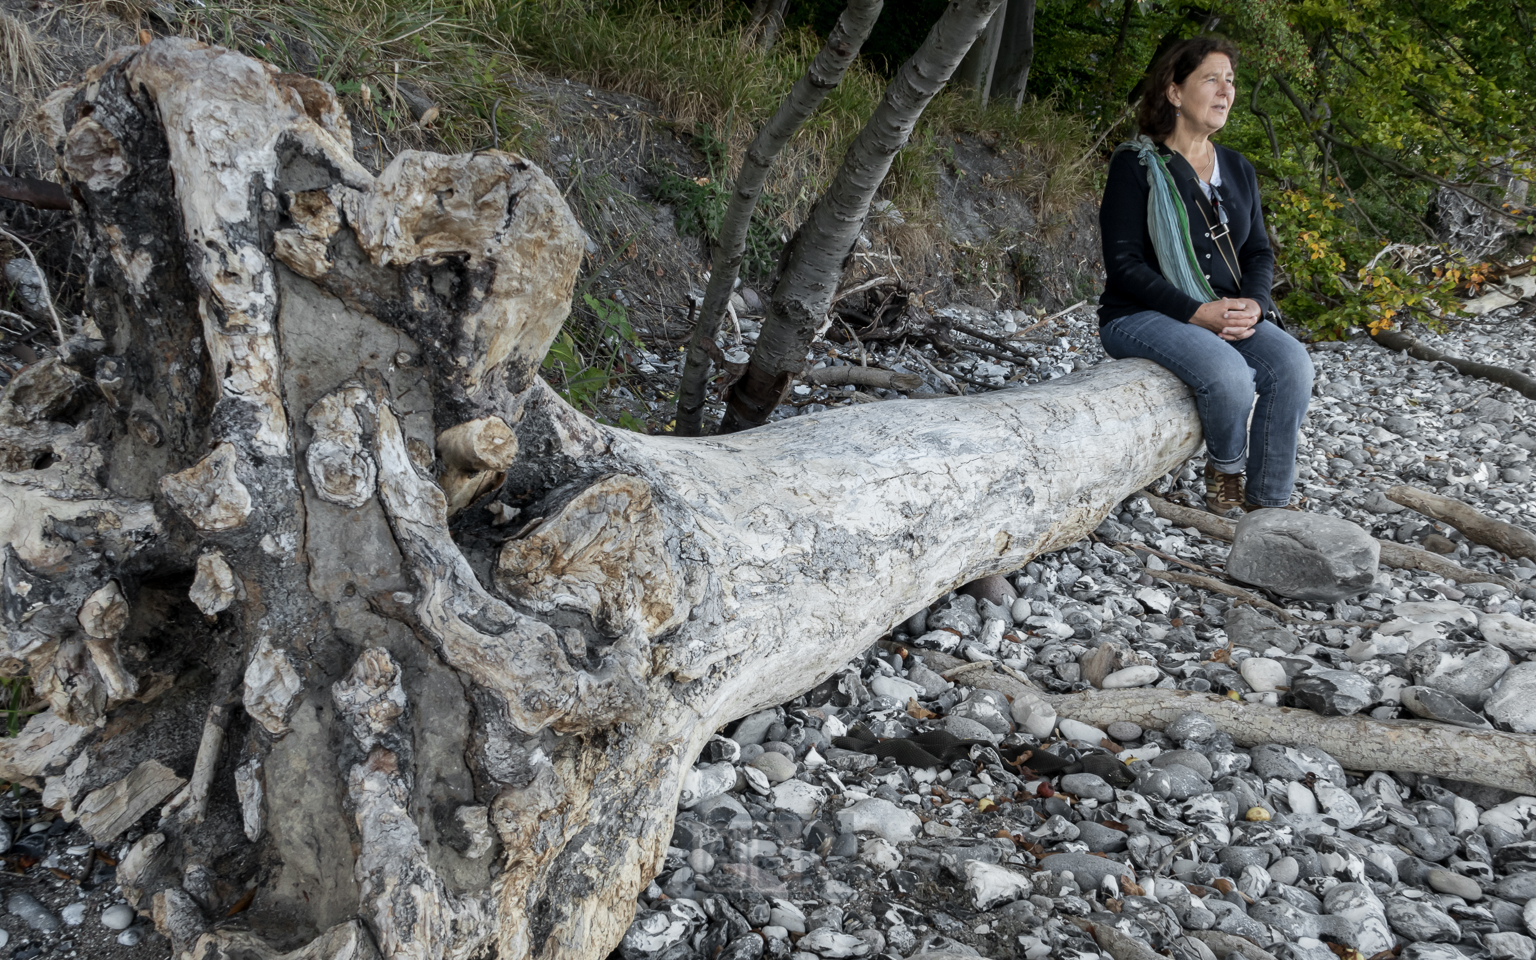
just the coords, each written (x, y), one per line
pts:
(257, 557)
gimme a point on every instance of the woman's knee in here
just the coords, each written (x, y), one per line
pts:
(1226, 381)
(1289, 368)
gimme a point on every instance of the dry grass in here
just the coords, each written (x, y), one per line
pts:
(23, 63)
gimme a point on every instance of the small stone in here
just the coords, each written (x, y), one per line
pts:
(775, 765)
(1512, 703)
(1263, 674)
(881, 854)
(1088, 785)
(965, 728)
(1138, 676)
(1307, 556)
(1422, 921)
(1333, 693)
(1256, 815)
(754, 728)
(990, 884)
(995, 590)
(798, 797)
(1432, 704)
(1467, 676)
(1074, 730)
(1508, 631)
(1191, 726)
(1034, 716)
(73, 915)
(896, 688)
(36, 916)
(1123, 731)
(130, 937)
(1155, 601)
(1090, 871)
(119, 916)
(882, 817)
(700, 861)
(829, 943)
(1248, 628)
(1509, 945)
(1454, 883)
(1189, 759)
(1285, 870)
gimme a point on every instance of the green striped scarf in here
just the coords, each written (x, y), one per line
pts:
(1168, 222)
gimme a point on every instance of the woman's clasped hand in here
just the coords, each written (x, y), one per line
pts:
(1231, 318)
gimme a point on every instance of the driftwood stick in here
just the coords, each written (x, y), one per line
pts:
(865, 377)
(1118, 945)
(1490, 757)
(1503, 537)
(33, 192)
(1225, 589)
(1405, 343)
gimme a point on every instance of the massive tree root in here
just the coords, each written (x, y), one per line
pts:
(250, 562)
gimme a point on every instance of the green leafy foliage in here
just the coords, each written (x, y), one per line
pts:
(590, 355)
(16, 704)
(699, 205)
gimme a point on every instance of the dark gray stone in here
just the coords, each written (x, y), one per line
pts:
(1089, 871)
(1416, 920)
(1189, 759)
(1431, 843)
(1247, 627)
(1088, 785)
(1432, 704)
(1334, 693)
(1191, 726)
(1102, 839)
(1307, 556)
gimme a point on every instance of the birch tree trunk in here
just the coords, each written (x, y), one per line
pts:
(1016, 53)
(229, 565)
(813, 261)
(825, 73)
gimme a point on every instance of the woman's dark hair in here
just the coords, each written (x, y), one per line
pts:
(1155, 116)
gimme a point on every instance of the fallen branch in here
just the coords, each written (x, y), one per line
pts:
(1404, 343)
(865, 377)
(1393, 554)
(970, 331)
(1225, 589)
(1503, 537)
(1118, 945)
(1490, 757)
(34, 193)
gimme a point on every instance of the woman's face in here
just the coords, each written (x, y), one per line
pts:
(1205, 97)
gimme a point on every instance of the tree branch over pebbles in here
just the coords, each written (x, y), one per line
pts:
(1393, 554)
(1406, 343)
(1490, 757)
(1503, 537)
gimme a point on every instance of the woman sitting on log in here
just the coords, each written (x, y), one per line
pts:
(1188, 270)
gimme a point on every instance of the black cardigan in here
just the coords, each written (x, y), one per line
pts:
(1134, 283)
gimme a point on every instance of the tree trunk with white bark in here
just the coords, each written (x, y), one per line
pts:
(813, 261)
(252, 564)
(824, 74)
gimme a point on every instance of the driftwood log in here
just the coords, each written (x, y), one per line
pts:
(229, 566)
(1504, 537)
(1490, 757)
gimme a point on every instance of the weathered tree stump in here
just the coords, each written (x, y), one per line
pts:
(231, 570)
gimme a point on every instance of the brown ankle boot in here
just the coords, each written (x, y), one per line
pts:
(1223, 491)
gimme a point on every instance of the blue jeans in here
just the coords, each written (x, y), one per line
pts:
(1225, 375)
